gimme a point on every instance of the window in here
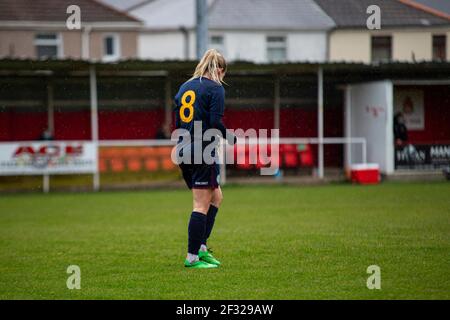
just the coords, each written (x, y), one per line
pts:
(439, 47)
(48, 45)
(111, 47)
(276, 49)
(381, 49)
(217, 42)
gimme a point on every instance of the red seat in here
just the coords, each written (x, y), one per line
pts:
(134, 165)
(306, 157)
(117, 165)
(288, 148)
(147, 151)
(264, 156)
(111, 152)
(163, 151)
(131, 152)
(290, 159)
(151, 164)
(102, 165)
(168, 164)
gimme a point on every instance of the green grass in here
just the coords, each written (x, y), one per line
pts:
(274, 242)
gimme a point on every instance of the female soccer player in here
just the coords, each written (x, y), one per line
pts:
(201, 100)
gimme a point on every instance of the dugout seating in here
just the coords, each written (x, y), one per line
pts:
(135, 159)
(291, 156)
(151, 159)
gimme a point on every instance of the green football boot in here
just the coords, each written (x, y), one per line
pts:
(198, 265)
(207, 257)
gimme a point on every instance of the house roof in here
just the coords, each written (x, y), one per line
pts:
(233, 14)
(166, 14)
(268, 14)
(352, 13)
(438, 7)
(55, 11)
(125, 5)
(343, 72)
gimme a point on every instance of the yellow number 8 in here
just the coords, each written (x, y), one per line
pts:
(187, 105)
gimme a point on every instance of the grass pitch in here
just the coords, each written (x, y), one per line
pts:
(274, 242)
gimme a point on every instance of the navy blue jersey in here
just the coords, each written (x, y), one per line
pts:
(202, 100)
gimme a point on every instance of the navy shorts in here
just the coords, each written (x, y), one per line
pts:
(201, 176)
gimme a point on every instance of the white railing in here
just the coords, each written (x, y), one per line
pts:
(136, 143)
(161, 143)
(318, 141)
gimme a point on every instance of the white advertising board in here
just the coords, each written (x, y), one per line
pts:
(48, 157)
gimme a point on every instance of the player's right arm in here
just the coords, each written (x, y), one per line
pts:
(217, 107)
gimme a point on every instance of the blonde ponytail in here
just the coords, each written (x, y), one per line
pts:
(210, 64)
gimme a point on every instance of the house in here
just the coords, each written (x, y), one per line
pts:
(251, 30)
(295, 30)
(407, 32)
(270, 31)
(37, 29)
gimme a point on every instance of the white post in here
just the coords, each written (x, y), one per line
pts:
(94, 120)
(85, 43)
(348, 126)
(46, 183)
(320, 121)
(50, 128)
(364, 151)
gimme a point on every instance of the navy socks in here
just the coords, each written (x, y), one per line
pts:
(196, 232)
(210, 218)
(200, 227)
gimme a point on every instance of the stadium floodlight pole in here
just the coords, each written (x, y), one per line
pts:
(320, 120)
(202, 27)
(94, 120)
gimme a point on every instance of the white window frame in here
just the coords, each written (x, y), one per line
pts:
(116, 47)
(446, 46)
(221, 48)
(275, 45)
(58, 42)
(391, 48)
